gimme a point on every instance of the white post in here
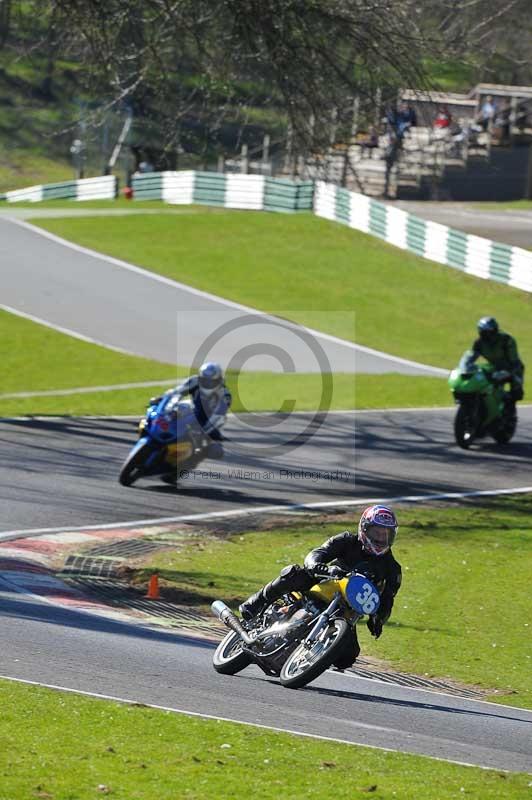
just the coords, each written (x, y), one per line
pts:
(244, 168)
(266, 166)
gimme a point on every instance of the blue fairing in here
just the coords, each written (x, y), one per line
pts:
(169, 420)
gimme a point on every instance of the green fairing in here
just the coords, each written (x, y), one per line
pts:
(482, 406)
(478, 381)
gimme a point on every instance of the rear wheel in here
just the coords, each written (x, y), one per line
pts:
(464, 428)
(228, 658)
(133, 466)
(307, 663)
(507, 428)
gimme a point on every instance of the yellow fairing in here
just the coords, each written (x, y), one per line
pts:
(326, 590)
(177, 453)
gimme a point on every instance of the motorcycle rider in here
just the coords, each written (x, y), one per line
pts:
(369, 550)
(212, 400)
(211, 397)
(500, 350)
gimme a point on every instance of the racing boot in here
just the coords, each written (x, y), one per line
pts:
(253, 606)
(292, 578)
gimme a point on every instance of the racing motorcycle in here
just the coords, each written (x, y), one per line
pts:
(483, 407)
(300, 636)
(170, 439)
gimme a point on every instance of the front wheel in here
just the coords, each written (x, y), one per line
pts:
(307, 663)
(228, 658)
(464, 428)
(132, 468)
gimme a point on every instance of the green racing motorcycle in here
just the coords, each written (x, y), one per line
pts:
(483, 404)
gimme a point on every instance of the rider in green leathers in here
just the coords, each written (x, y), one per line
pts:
(500, 350)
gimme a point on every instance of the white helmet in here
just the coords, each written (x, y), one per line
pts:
(210, 377)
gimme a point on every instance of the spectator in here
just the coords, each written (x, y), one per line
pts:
(145, 166)
(401, 119)
(487, 112)
(443, 118)
(501, 122)
(521, 117)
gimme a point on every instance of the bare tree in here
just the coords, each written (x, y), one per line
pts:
(195, 69)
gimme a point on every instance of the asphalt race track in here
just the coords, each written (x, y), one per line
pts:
(146, 314)
(61, 472)
(78, 651)
(512, 226)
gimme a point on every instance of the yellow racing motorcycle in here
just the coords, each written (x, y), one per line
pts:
(300, 636)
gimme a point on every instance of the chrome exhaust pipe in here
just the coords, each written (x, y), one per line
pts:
(225, 615)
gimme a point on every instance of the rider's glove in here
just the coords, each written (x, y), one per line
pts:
(374, 626)
(324, 571)
(336, 572)
(500, 375)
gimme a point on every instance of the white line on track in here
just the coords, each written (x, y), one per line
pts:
(60, 329)
(87, 389)
(215, 298)
(362, 725)
(257, 510)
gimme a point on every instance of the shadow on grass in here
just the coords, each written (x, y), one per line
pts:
(192, 588)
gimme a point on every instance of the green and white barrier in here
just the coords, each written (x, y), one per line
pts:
(103, 187)
(471, 254)
(230, 190)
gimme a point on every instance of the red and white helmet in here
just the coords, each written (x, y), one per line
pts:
(377, 529)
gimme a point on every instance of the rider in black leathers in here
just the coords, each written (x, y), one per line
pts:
(368, 551)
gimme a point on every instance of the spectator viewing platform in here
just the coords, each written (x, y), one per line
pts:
(423, 146)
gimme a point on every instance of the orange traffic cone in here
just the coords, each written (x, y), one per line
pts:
(153, 588)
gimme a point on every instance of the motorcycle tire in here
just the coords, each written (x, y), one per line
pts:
(132, 466)
(228, 658)
(505, 433)
(463, 434)
(296, 673)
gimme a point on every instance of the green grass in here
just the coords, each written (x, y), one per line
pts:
(525, 205)
(463, 611)
(62, 362)
(20, 169)
(313, 270)
(69, 747)
(35, 358)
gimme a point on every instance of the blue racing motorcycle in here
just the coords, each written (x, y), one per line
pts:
(170, 440)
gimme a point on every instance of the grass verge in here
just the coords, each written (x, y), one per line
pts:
(525, 205)
(301, 266)
(463, 611)
(20, 169)
(37, 358)
(69, 746)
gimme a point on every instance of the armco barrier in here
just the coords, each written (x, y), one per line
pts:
(230, 190)
(471, 254)
(103, 187)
